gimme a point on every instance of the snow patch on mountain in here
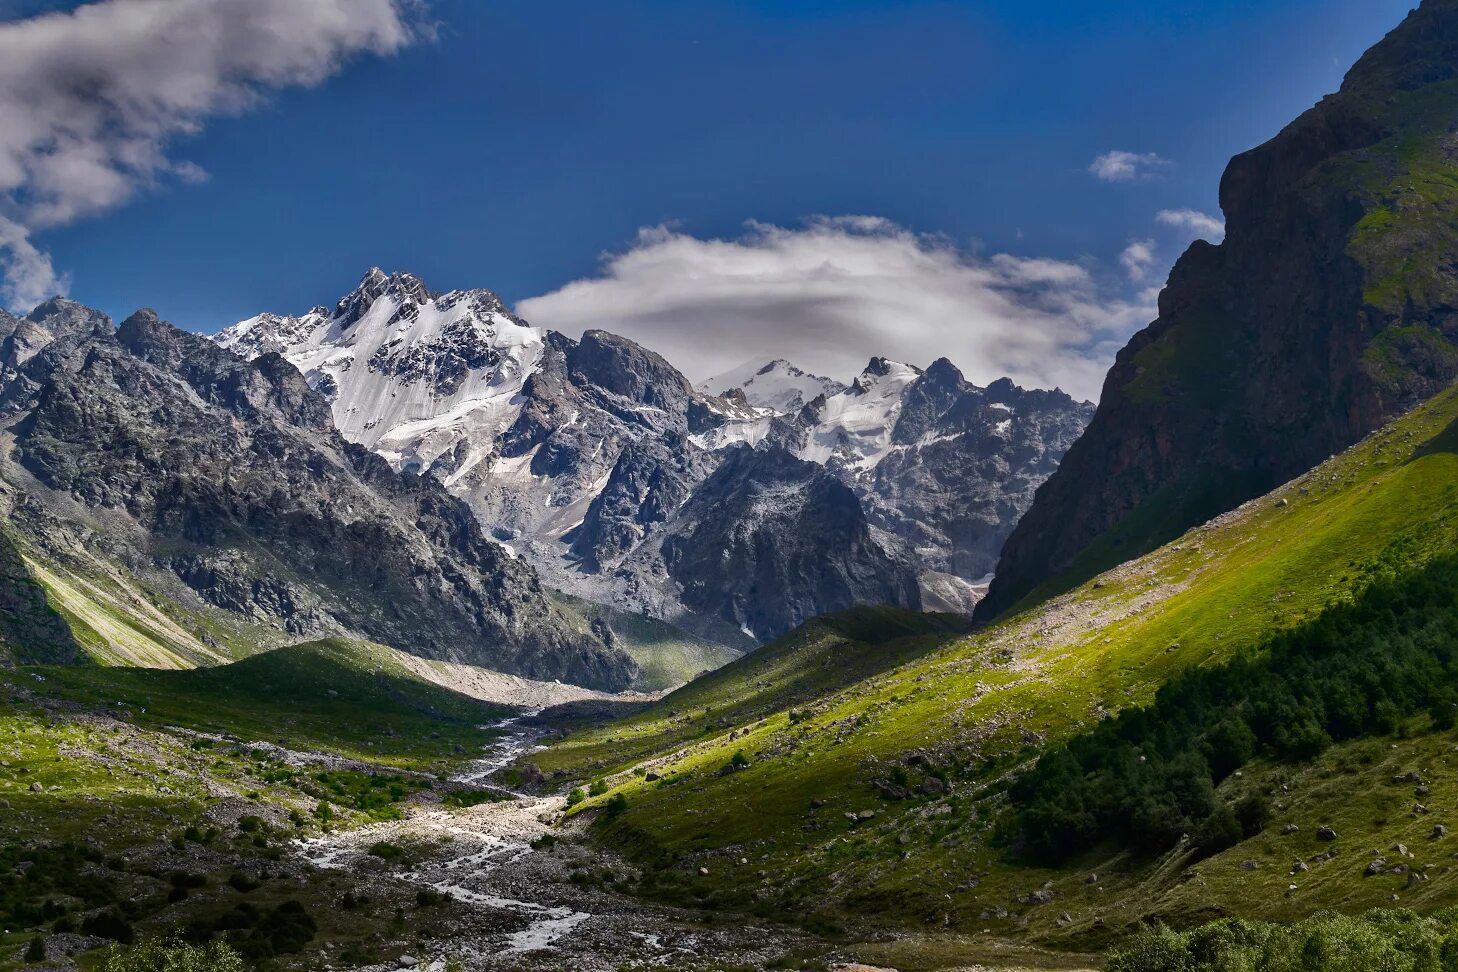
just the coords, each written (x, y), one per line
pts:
(772, 384)
(410, 374)
(852, 429)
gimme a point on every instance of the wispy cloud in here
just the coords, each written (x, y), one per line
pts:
(1120, 166)
(91, 98)
(1137, 259)
(832, 293)
(1201, 224)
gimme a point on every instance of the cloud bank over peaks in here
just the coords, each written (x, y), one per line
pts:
(90, 98)
(830, 294)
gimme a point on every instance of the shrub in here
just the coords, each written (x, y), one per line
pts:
(154, 956)
(242, 883)
(109, 924)
(386, 851)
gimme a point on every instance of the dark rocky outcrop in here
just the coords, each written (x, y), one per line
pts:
(769, 541)
(1331, 306)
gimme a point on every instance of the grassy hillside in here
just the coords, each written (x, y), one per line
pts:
(344, 697)
(919, 755)
(812, 662)
(88, 609)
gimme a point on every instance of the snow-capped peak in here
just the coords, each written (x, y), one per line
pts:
(853, 428)
(772, 383)
(410, 373)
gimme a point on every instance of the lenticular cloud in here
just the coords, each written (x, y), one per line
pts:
(831, 294)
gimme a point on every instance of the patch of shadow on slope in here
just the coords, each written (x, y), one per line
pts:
(31, 630)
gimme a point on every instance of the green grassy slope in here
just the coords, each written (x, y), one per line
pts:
(344, 697)
(813, 661)
(945, 728)
(116, 616)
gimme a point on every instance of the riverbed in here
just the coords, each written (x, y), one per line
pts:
(515, 906)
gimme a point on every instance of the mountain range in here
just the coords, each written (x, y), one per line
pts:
(735, 509)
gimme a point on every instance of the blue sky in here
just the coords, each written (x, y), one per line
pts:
(528, 139)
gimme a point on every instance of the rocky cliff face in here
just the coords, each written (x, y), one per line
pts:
(769, 541)
(229, 475)
(1329, 308)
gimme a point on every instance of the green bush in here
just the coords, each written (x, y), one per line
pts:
(386, 851)
(109, 924)
(154, 956)
(36, 950)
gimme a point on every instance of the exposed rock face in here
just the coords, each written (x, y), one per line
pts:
(769, 541)
(1329, 308)
(942, 464)
(584, 455)
(22, 337)
(233, 477)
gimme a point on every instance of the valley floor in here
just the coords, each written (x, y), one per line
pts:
(529, 895)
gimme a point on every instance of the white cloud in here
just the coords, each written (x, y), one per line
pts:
(837, 291)
(1137, 259)
(1201, 224)
(28, 276)
(1119, 166)
(90, 98)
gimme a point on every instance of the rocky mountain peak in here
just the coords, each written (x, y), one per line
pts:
(268, 384)
(405, 288)
(626, 368)
(21, 338)
(774, 384)
(586, 455)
